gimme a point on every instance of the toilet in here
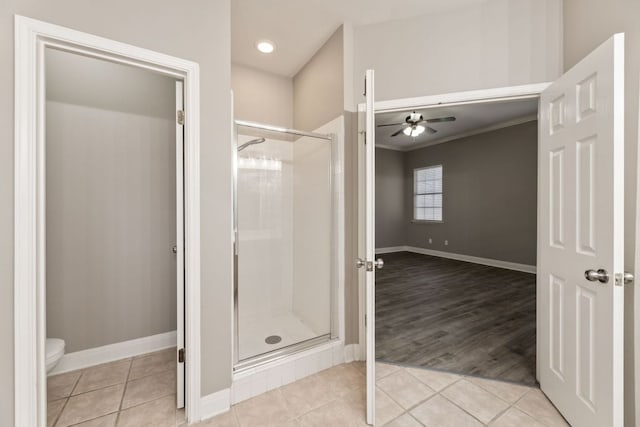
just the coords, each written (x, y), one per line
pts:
(54, 350)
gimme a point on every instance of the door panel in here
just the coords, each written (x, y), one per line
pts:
(369, 243)
(180, 243)
(581, 228)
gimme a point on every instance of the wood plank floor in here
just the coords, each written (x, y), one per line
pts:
(456, 316)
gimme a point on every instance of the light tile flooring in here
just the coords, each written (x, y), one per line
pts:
(333, 397)
(405, 397)
(141, 392)
(408, 397)
(132, 392)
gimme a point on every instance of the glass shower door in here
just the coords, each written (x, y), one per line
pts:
(283, 289)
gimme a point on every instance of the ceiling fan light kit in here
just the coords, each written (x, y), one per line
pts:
(414, 130)
(412, 126)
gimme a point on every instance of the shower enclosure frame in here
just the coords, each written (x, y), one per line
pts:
(277, 354)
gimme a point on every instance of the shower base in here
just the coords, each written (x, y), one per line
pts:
(253, 331)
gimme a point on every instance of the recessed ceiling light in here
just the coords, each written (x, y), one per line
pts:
(265, 46)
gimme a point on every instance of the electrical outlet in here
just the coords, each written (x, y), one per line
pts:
(446, 243)
(430, 240)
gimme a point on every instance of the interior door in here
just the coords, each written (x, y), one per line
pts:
(580, 266)
(179, 247)
(366, 260)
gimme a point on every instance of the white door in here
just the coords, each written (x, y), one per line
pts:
(366, 260)
(179, 248)
(581, 138)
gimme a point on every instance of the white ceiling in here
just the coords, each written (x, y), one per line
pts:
(300, 27)
(470, 119)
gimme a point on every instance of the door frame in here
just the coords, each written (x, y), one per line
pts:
(426, 102)
(31, 39)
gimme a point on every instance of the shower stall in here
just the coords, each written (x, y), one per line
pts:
(284, 237)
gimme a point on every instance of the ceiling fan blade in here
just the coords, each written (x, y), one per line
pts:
(391, 124)
(431, 130)
(441, 119)
(398, 132)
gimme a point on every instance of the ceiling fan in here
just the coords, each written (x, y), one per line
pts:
(413, 127)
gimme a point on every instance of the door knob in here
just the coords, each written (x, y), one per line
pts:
(174, 249)
(379, 263)
(597, 276)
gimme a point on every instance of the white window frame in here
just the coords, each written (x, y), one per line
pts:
(415, 194)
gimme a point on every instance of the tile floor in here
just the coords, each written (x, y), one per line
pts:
(333, 397)
(408, 397)
(141, 392)
(405, 397)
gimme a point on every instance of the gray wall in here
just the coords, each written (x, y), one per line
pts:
(146, 25)
(603, 18)
(261, 97)
(111, 199)
(490, 43)
(318, 88)
(351, 227)
(489, 195)
(390, 221)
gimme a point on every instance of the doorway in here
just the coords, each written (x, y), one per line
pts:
(120, 170)
(580, 242)
(113, 196)
(456, 218)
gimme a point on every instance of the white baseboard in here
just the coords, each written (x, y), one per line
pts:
(351, 353)
(467, 258)
(113, 352)
(391, 249)
(215, 404)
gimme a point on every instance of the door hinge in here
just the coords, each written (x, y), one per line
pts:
(365, 320)
(180, 117)
(181, 355)
(364, 92)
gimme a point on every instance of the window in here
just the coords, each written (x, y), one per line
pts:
(427, 194)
